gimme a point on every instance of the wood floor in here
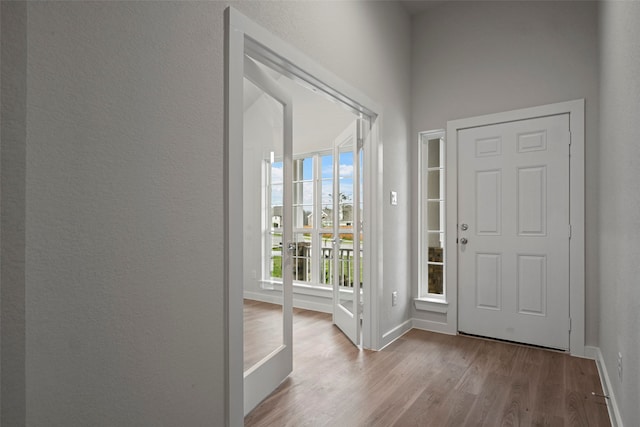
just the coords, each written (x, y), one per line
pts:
(428, 379)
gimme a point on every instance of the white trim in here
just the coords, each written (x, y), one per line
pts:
(234, 369)
(607, 388)
(431, 304)
(241, 33)
(591, 352)
(373, 231)
(298, 302)
(575, 109)
(395, 333)
(431, 326)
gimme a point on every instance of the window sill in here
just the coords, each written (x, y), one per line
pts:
(298, 288)
(431, 304)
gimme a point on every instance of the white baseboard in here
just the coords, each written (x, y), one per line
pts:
(395, 333)
(591, 352)
(298, 302)
(257, 296)
(428, 325)
(313, 306)
(607, 389)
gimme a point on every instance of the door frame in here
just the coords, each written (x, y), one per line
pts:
(575, 109)
(241, 36)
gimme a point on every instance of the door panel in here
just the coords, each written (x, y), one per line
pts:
(513, 260)
(347, 245)
(267, 136)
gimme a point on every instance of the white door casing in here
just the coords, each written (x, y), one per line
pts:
(513, 216)
(575, 111)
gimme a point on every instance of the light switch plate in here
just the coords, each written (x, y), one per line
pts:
(394, 198)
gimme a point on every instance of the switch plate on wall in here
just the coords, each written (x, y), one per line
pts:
(620, 366)
(394, 298)
(394, 198)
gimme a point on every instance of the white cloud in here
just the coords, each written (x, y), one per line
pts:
(277, 173)
(346, 170)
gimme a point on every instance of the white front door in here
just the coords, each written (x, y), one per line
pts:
(267, 135)
(513, 231)
(347, 231)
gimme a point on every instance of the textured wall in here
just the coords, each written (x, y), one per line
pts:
(12, 213)
(124, 277)
(474, 58)
(619, 225)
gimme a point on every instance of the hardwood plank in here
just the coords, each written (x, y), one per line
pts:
(427, 379)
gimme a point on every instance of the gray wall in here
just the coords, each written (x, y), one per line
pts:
(124, 266)
(13, 135)
(123, 292)
(473, 58)
(619, 225)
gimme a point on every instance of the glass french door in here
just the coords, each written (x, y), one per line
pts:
(347, 232)
(267, 123)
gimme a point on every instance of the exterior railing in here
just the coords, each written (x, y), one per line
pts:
(303, 264)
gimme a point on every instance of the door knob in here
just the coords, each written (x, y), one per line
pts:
(291, 247)
(464, 240)
(464, 227)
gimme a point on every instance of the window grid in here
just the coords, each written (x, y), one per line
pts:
(432, 219)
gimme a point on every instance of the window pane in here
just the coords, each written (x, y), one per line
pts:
(303, 193)
(346, 214)
(307, 169)
(435, 279)
(276, 194)
(346, 273)
(361, 186)
(348, 276)
(276, 256)
(276, 173)
(436, 240)
(346, 165)
(433, 185)
(327, 193)
(303, 169)
(276, 216)
(435, 254)
(326, 259)
(327, 166)
(434, 153)
(345, 188)
(327, 204)
(433, 216)
(302, 257)
(303, 216)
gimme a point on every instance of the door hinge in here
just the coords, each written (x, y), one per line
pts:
(569, 324)
(569, 231)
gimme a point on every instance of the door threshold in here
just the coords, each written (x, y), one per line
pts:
(524, 344)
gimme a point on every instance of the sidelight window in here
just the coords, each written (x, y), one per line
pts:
(432, 216)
